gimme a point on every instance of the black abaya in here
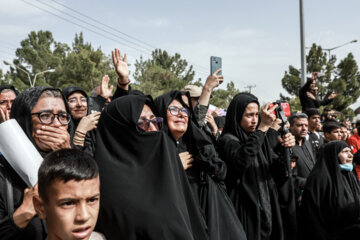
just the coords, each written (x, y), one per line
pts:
(205, 176)
(330, 207)
(250, 178)
(21, 111)
(144, 191)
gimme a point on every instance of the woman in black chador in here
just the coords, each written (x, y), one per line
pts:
(254, 174)
(144, 190)
(330, 207)
(205, 170)
(43, 115)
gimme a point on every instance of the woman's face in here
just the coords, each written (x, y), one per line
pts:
(147, 120)
(53, 105)
(78, 105)
(177, 119)
(345, 156)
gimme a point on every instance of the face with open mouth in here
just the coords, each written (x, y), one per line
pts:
(72, 209)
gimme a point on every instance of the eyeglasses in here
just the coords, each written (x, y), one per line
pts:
(176, 111)
(46, 117)
(144, 124)
(82, 100)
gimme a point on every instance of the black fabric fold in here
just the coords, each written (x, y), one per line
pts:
(249, 179)
(206, 175)
(330, 207)
(144, 190)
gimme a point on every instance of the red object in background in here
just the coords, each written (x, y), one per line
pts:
(285, 106)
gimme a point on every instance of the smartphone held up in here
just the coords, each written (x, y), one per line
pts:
(215, 64)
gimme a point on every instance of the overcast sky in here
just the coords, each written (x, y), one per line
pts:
(256, 39)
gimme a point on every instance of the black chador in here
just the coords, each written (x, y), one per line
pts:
(250, 178)
(330, 207)
(144, 190)
(206, 174)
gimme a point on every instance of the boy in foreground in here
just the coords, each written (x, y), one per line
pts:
(69, 195)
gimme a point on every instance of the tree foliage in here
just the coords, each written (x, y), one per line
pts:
(342, 78)
(80, 65)
(222, 97)
(162, 73)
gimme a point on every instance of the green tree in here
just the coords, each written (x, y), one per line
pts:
(162, 73)
(342, 78)
(38, 52)
(222, 97)
(84, 66)
(80, 65)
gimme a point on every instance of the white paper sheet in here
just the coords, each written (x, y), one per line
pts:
(19, 151)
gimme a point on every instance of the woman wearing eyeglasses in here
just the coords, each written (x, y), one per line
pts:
(204, 169)
(144, 190)
(43, 115)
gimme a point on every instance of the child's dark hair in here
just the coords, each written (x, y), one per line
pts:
(65, 165)
(330, 125)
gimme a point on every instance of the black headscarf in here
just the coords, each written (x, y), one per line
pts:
(331, 202)
(249, 178)
(194, 138)
(23, 105)
(72, 89)
(205, 175)
(144, 190)
(9, 87)
(235, 113)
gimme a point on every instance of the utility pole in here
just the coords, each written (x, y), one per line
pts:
(302, 44)
(250, 87)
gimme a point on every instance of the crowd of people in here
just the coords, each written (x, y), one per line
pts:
(123, 165)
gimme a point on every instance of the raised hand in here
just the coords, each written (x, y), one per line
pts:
(310, 95)
(210, 119)
(89, 122)
(26, 211)
(121, 67)
(287, 141)
(333, 95)
(4, 116)
(186, 160)
(105, 90)
(214, 80)
(267, 117)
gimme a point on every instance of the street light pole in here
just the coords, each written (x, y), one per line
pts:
(302, 44)
(50, 70)
(330, 49)
(20, 68)
(32, 83)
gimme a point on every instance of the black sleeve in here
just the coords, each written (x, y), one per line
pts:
(304, 99)
(306, 86)
(272, 136)
(240, 156)
(207, 156)
(95, 104)
(8, 229)
(119, 92)
(325, 101)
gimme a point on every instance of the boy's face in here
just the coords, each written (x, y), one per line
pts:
(72, 209)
